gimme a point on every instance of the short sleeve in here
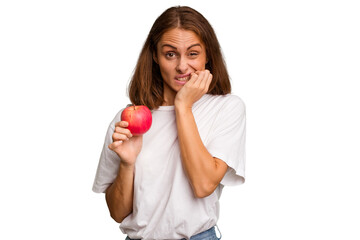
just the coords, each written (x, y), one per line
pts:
(109, 162)
(227, 141)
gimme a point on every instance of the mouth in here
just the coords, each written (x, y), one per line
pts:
(183, 78)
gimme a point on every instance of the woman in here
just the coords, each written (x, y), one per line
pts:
(167, 183)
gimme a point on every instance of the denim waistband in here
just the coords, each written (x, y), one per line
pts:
(208, 234)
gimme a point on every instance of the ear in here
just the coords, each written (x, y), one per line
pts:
(155, 57)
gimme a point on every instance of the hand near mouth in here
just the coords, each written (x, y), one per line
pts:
(194, 89)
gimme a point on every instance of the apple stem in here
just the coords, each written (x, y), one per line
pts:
(134, 106)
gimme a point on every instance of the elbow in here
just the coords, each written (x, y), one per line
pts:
(117, 218)
(201, 194)
(119, 214)
(204, 190)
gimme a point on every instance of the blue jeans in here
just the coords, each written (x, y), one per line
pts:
(209, 234)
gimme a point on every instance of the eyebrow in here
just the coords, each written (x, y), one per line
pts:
(168, 45)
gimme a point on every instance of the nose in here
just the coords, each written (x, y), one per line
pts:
(182, 65)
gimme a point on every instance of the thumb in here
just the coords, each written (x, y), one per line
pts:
(114, 145)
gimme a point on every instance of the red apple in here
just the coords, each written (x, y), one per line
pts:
(139, 119)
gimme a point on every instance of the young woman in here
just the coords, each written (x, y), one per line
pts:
(167, 183)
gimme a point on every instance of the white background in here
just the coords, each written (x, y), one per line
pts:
(64, 68)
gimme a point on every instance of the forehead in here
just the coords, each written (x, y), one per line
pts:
(180, 38)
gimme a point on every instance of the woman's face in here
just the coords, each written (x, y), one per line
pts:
(179, 53)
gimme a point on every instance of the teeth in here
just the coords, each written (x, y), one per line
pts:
(183, 79)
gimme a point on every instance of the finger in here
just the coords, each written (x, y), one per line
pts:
(114, 145)
(124, 131)
(119, 137)
(122, 124)
(208, 82)
(207, 75)
(203, 77)
(205, 80)
(199, 78)
(193, 78)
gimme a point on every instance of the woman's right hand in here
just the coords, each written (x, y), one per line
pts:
(125, 145)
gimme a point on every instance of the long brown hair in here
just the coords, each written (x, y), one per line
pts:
(146, 86)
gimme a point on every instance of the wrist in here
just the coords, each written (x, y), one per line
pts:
(182, 108)
(127, 166)
(181, 103)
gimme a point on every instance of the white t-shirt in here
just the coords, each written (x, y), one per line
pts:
(164, 205)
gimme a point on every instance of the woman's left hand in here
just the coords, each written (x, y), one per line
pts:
(194, 89)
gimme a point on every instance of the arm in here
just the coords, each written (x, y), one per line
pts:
(119, 195)
(203, 171)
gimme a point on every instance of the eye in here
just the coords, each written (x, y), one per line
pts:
(193, 54)
(170, 54)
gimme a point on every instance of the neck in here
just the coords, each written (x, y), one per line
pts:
(169, 96)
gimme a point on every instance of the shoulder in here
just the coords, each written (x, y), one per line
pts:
(228, 101)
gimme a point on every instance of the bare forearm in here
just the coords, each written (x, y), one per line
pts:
(202, 169)
(119, 196)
